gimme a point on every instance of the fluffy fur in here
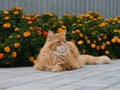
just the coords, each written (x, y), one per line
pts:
(59, 55)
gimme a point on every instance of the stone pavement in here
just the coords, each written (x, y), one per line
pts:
(90, 77)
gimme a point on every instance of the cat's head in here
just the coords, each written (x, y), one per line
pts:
(57, 42)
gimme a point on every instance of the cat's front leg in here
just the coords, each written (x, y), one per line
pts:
(57, 68)
(38, 67)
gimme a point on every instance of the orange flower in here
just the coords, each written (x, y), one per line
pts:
(31, 28)
(7, 49)
(14, 54)
(6, 18)
(73, 32)
(6, 12)
(27, 15)
(60, 22)
(7, 25)
(80, 42)
(16, 29)
(31, 58)
(18, 36)
(102, 47)
(108, 42)
(88, 42)
(10, 37)
(16, 13)
(26, 34)
(50, 14)
(63, 27)
(113, 40)
(29, 22)
(99, 39)
(115, 30)
(106, 52)
(60, 30)
(77, 31)
(118, 40)
(16, 45)
(98, 47)
(1, 55)
(80, 34)
(45, 34)
(18, 8)
(93, 45)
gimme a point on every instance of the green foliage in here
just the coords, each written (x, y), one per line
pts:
(22, 36)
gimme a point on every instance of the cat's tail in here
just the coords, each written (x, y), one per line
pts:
(95, 60)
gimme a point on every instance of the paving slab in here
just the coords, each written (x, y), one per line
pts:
(90, 77)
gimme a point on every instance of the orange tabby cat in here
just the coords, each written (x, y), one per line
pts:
(59, 55)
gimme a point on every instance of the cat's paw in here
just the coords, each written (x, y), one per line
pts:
(57, 68)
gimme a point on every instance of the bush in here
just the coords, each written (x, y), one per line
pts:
(22, 36)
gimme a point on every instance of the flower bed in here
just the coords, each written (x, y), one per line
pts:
(23, 35)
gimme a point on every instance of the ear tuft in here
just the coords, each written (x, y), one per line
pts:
(50, 35)
(64, 32)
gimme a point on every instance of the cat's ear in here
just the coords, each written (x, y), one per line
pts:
(50, 35)
(64, 32)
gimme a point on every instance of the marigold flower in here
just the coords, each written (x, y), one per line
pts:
(45, 34)
(18, 8)
(6, 18)
(77, 31)
(108, 42)
(31, 58)
(80, 42)
(99, 39)
(14, 54)
(16, 45)
(80, 25)
(29, 22)
(63, 27)
(23, 17)
(16, 13)
(31, 28)
(118, 40)
(116, 37)
(26, 34)
(93, 45)
(60, 22)
(18, 36)
(102, 47)
(50, 14)
(60, 30)
(113, 40)
(7, 25)
(105, 37)
(115, 30)
(1, 55)
(7, 49)
(88, 42)
(80, 34)
(98, 47)
(16, 29)
(10, 37)
(6, 12)
(27, 15)
(73, 32)
(107, 52)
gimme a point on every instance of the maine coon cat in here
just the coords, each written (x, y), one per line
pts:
(58, 54)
